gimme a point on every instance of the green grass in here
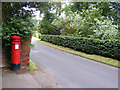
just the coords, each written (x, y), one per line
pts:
(105, 60)
(32, 67)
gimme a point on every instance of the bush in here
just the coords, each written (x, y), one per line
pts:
(19, 26)
(88, 23)
(108, 48)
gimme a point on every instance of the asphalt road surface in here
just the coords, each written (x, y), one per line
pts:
(73, 71)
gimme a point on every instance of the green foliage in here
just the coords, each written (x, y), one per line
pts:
(17, 20)
(109, 9)
(9, 9)
(88, 23)
(18, 26)
(78, 22)
(83, 21)
(105, 29)
(45, 26)
(59, 23)
(63, 24)
(76, 6)
(32, 67)
(109, 48)
(57, 7)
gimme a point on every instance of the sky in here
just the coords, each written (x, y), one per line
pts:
(37, 13)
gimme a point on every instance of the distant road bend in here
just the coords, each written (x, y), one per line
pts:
(72, 71)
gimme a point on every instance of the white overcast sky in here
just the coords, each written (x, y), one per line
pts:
(37, 13)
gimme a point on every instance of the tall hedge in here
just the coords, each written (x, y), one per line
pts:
(109, 48)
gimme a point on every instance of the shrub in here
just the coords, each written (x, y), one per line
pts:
(88, 23)
(19, 26)
(109, 48)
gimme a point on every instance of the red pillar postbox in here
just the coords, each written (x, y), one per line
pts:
(15, 52)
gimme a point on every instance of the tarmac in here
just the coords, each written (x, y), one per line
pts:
(26, 79)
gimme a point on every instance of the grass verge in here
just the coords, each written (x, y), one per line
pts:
(32, 67)
(101, 59)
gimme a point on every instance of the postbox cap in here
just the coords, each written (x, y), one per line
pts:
(15, 37)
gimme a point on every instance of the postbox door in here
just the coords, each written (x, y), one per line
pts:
(15, 52)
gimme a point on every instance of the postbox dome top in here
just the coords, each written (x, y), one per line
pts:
(15, 37)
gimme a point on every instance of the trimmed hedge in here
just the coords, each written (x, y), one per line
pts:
(108, 48)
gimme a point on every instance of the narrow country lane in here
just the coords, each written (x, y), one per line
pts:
(72, 71)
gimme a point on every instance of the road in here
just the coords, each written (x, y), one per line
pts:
(73, 71)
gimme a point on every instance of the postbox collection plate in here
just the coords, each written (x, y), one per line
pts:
(16, 46)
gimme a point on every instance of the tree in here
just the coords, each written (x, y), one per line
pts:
(45, 26)
(17, 20)
(88, 23)
(109, 9)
